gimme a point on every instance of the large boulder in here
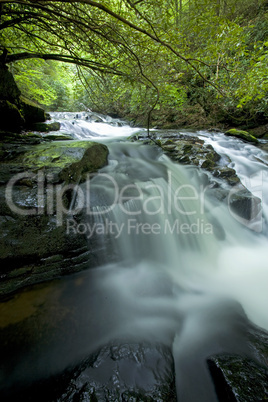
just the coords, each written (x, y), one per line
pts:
(10, 116)
(69, 161)
(8, 87)
(31, 111)
(16, 111)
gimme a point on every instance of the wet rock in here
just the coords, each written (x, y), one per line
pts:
(57, 137)
(32, 112)
(243, 378)
(45, 127)
(69, 161)
(238, 379)
(227, 174)
(244, 203)
(126, 372)
(17, 141)
(10, 116)
(16, 110)
(259, 132)
(34, 248)
(225, 184)
(8, 88)
(244, 135)
(191, 150)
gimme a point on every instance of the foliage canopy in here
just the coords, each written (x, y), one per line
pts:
(129, 57)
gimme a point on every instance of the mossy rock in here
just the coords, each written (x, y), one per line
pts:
(57, 137)
(10, 116)
(31, 111)
(187, 149)
(208, 164)
(244, 135)
(8, 87)
(46, 127)
(72, 161)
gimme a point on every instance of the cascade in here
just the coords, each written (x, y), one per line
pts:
(175, 265)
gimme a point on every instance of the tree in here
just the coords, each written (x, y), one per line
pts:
(161, 48)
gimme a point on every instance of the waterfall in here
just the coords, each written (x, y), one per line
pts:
(176, 266)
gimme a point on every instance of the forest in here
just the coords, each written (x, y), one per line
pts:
(182, 63)
(133, 200)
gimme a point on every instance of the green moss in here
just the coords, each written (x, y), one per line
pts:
(73, 160)
(208, 164)
(244, 135)
(169, 142)
(187, 149)
(158, 142)
(213, 156)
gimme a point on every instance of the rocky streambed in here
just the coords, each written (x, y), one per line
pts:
(34, 170)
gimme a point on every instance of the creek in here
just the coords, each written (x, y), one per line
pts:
(176, 267)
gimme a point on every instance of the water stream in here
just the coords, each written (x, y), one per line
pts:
(177, 267)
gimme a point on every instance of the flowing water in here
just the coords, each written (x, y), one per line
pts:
(176, 266)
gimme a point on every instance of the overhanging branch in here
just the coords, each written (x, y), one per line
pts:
(128, 23)
(66, 59)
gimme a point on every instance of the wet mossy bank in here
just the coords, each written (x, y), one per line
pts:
(37, 180)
